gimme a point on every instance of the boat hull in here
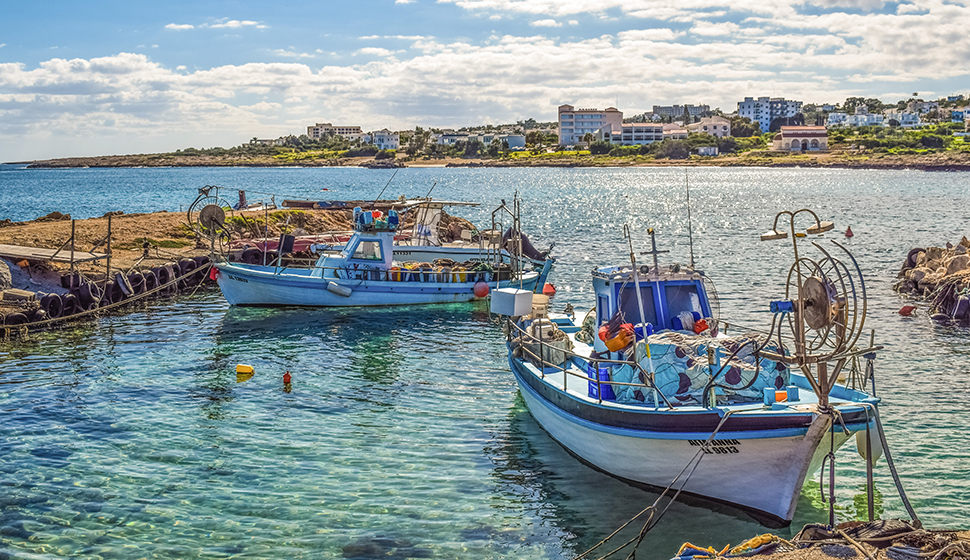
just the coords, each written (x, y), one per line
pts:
(256, 285)
(749, 465)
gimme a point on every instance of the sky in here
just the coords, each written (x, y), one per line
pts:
(103, 78)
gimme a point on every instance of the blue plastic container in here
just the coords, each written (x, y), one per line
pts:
(638, 330)
(604, 376)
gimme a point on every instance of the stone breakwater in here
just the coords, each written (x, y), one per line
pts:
(939, 276)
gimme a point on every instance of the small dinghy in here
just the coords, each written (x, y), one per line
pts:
(648, 387)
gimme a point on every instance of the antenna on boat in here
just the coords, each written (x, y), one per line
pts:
(431, 189)
(384, 189)
(690, 232)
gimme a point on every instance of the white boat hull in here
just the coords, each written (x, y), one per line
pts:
(761, 471)
(254, 285)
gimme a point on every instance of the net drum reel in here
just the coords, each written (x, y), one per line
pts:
(825, 306)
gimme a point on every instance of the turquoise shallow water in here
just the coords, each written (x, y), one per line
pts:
(402, 435)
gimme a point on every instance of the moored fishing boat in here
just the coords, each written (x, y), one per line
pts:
(648, 388)
(364, 273)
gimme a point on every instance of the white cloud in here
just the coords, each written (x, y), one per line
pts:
(2, 45)
(404, 1)
(545, 23)
(376, 51)
(573, 22)
(292, 54)
(179, 26)
(237, 24)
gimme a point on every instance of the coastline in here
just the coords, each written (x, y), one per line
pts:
(836, 159)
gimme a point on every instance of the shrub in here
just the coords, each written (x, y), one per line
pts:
(600, 147)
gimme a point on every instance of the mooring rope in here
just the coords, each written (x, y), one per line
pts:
(692, 464)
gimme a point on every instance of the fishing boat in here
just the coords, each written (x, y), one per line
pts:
(364, 273)
(648, 387)
(422, 241)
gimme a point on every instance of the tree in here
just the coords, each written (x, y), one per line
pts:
(600, 147)
(588, 137)
(686, 116)
(742, 127)
(673, 149)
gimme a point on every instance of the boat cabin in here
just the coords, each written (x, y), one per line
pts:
(370, 248)
(665, 296)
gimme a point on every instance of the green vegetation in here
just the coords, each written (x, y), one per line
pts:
(897, 141)
(139, 242)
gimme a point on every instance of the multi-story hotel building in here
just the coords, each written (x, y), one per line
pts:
(574, 123)
(321, 130)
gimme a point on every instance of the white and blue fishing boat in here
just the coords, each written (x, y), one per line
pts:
(364, 273)
(648, 387)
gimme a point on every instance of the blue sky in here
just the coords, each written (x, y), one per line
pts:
(98, 78)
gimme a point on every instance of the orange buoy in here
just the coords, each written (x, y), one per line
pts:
(287, 378)
(907, 310)
(848, 232)
(549, 290)
(481, 289)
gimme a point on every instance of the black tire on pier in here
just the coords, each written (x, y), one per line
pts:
(15, 319)
(252, 256)
(69, 305)
(38, 315)
(53, 305)
(186, 266)
(113, 293)
(137, 282)
(89, 293)
(151, 279)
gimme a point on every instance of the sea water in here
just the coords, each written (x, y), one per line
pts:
(402, 434)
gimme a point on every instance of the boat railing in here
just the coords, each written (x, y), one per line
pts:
(592, 374)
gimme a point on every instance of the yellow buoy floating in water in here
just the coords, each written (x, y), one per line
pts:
(244, 373)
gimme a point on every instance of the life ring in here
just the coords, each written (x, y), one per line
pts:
(52, 305)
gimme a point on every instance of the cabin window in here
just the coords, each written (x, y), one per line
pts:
(631, 307)
(603, 309)
(368, 251)
(682, 298)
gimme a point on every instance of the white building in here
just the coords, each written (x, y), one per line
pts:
(675, 131)
(678, 110)
(861, 117)
(450, 138)
(384, 139)
(718, 127)
(637, 134)
(323, 130)
(801, 139)
(514, 140)
(905, 119)
(765, 109)
(574, 123)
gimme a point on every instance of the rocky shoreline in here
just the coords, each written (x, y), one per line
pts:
(844, 159)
